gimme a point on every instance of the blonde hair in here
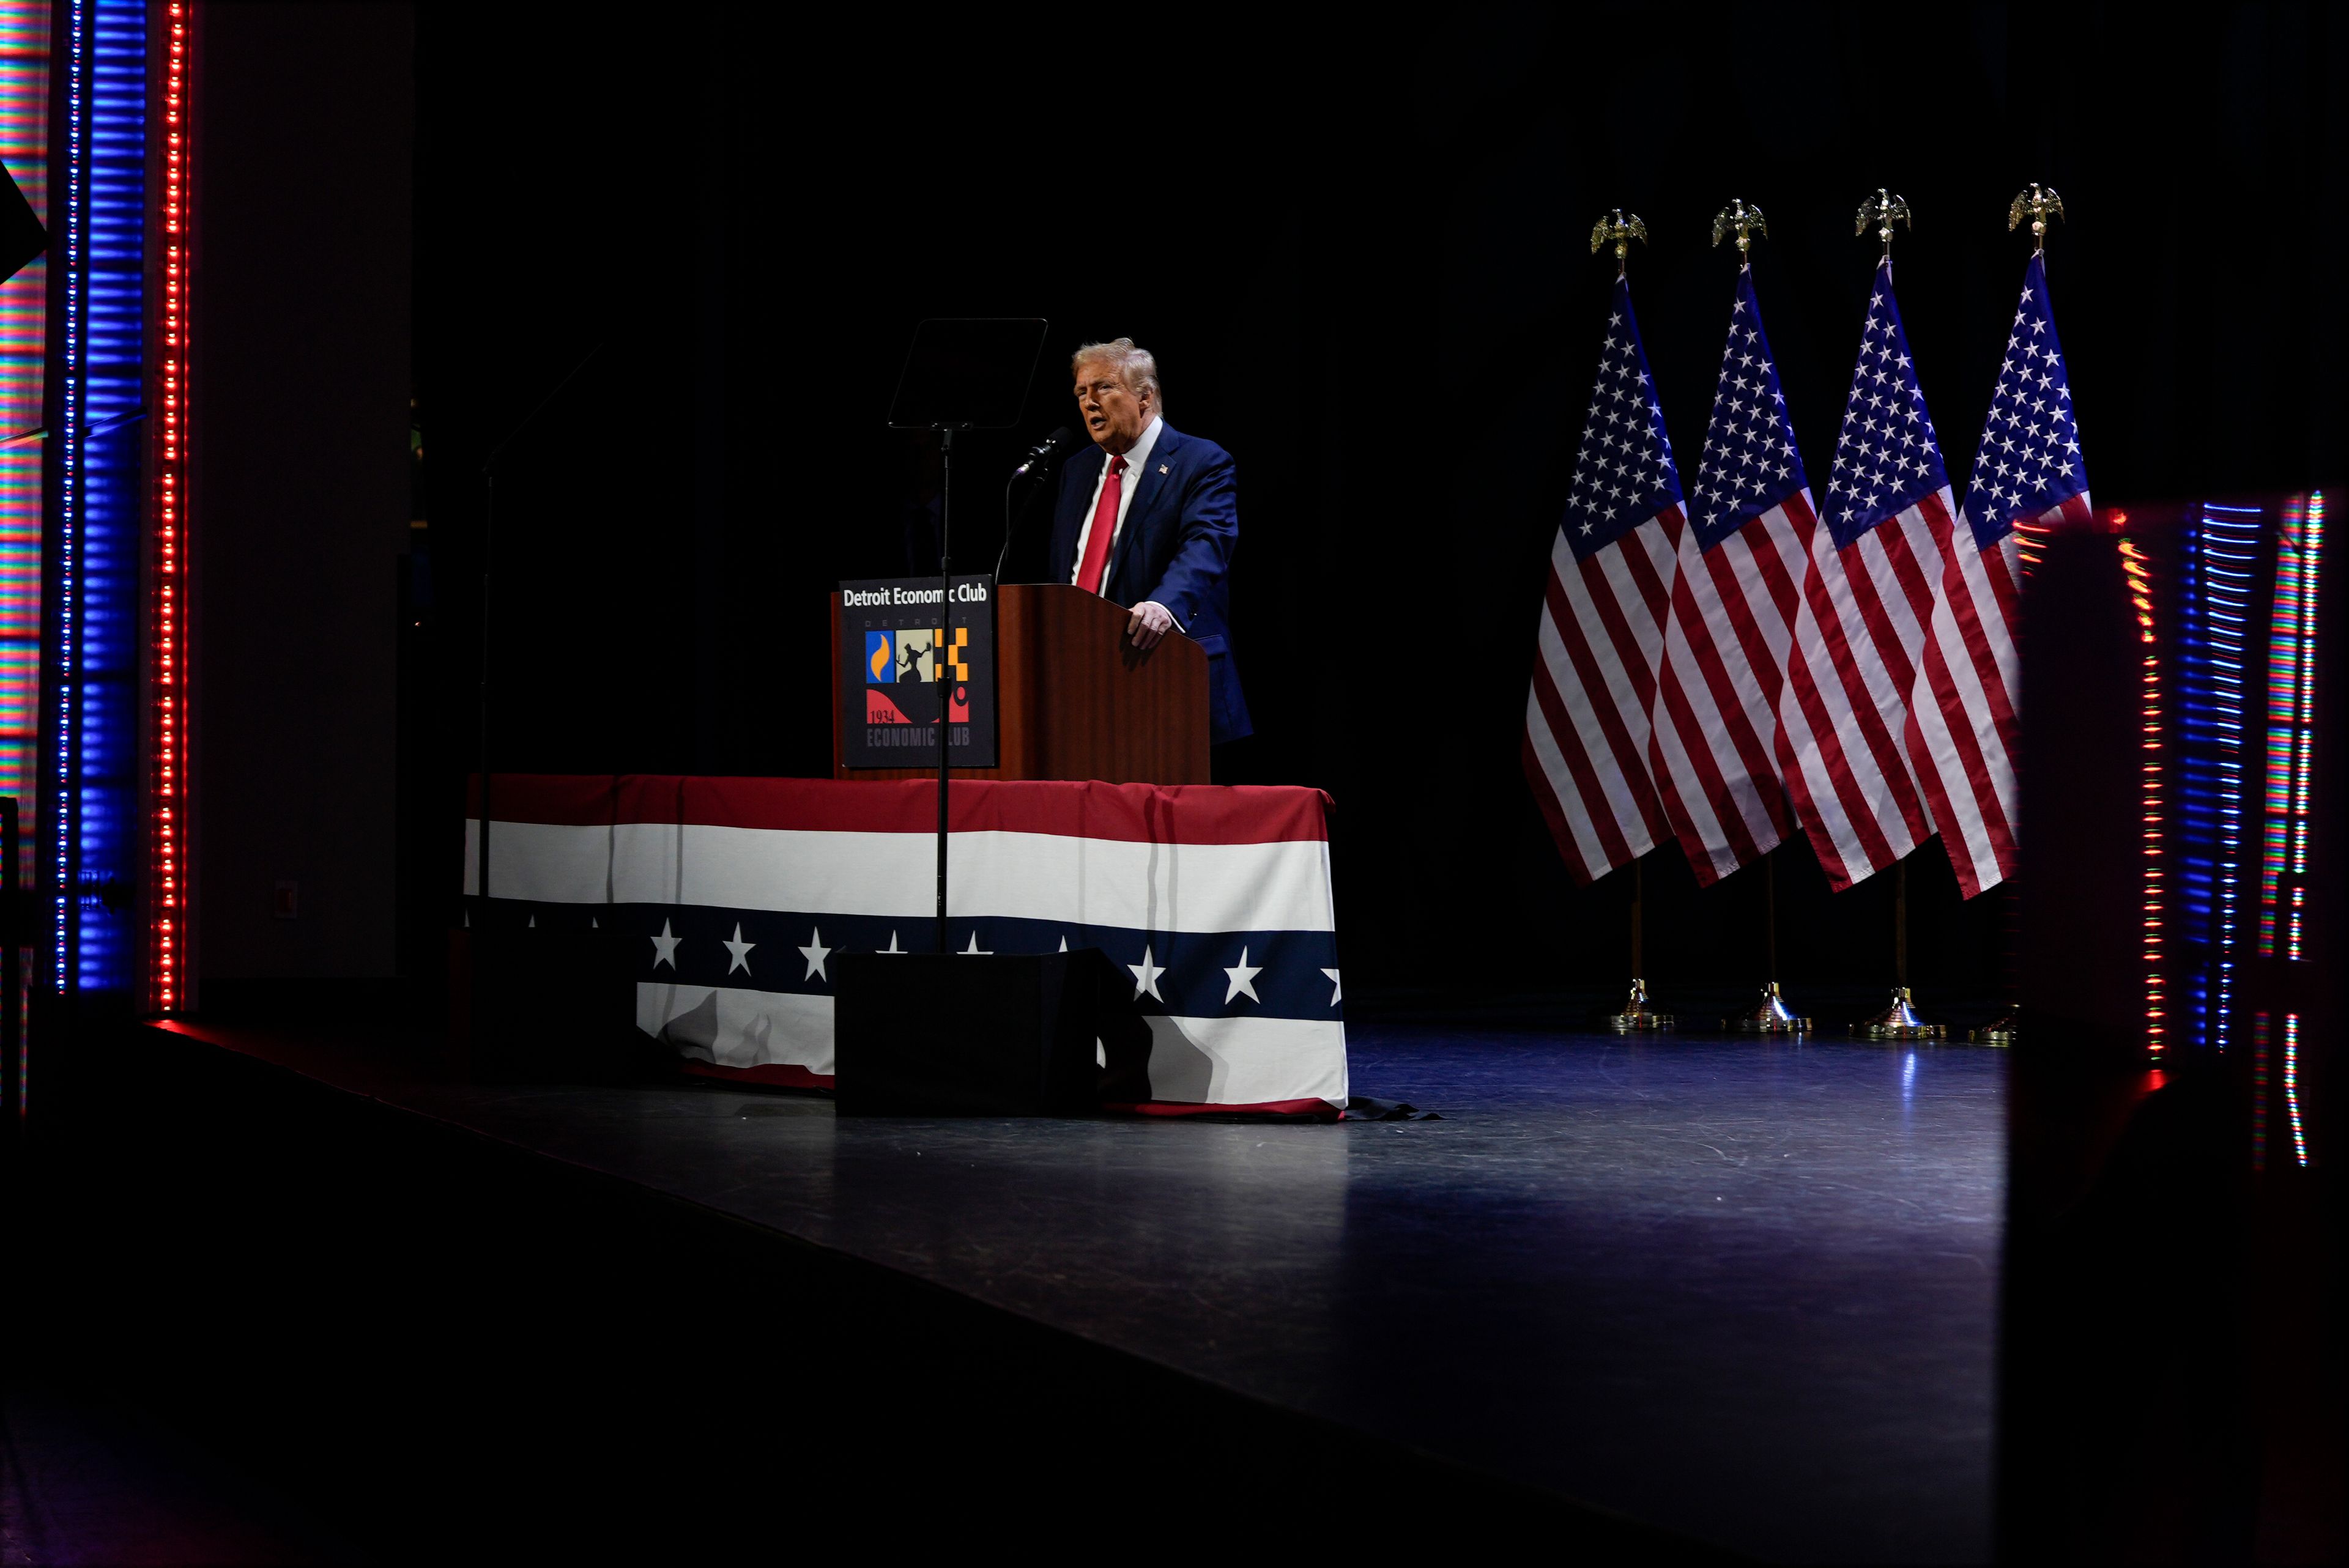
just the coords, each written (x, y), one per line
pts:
(1137, 367)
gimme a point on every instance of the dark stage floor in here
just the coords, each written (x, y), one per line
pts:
(1742, 1290)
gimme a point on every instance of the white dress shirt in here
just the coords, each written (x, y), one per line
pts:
(1135, 460)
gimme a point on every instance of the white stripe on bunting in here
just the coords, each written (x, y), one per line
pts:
(1283, 885)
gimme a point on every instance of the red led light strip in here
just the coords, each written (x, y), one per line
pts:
(167, 671)
(2138, 571)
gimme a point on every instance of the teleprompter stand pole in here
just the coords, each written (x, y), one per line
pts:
(1770, 1015)
(489, 560)
(1898, 1020)
(939, 643)
(961, 373)
(1637, 1017)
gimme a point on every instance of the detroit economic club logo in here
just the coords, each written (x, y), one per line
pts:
(901, 674)
(895, 639)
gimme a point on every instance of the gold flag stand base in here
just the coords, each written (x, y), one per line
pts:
(1899, 1021)
(2002, 1031)
(1636, 1017)
(1770, 1015)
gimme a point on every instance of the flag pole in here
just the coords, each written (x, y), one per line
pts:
(1620, 228)
(1770, 1015)
(2038, 203)
(1899, 1019)
(1637, 1017)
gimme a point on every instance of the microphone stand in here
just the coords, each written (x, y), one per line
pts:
(489, 548)
(938, 646)
(1010, 522)
(1044, 455)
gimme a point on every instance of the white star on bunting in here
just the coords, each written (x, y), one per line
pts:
(1145, 975)
(815, 952)
(740, 949)
(665, 947)
(1334, 987)
(1243, 979)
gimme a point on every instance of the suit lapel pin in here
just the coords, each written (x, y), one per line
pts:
(1162, 467)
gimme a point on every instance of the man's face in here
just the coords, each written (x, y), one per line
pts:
(1115, 417)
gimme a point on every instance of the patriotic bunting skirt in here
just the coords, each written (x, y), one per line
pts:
(740, 894)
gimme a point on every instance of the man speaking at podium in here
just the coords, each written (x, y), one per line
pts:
(1149, 517)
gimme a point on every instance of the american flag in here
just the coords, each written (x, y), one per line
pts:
(2028, 468)
(1844, 736)
(1602, 621)
(1733, 600)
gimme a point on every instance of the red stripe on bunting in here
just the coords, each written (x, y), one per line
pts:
(1289, 1109)
(1131, 813)
(781, 1074)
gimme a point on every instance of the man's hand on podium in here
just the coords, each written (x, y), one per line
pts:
(1151, 621)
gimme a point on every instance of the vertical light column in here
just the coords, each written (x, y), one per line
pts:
(2292, 729)
(167, 671)
(2138, 571)
(23, 342)
(2211, 692)
(71, 247)
(2292, 1087)
(25, 37)
(2291, 757)
(98, 517)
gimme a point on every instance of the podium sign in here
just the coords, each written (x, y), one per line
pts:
(893, 631)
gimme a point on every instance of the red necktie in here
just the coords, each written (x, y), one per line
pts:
(1089, 575)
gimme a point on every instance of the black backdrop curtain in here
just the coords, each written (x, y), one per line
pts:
(1360, 254)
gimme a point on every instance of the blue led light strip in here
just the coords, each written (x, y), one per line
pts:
(93, 826)
(114, 506)
(2218, 560)
(69, 443)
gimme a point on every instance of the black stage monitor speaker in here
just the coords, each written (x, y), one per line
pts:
(953, 1034)
(547, 1007)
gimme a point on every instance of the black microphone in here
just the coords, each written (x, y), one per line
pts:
(1045, 450)
(1042, 452)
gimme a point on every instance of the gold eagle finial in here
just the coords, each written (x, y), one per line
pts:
(1622, 228)
(1748, 220)
(1883, 212)
(2041, 204)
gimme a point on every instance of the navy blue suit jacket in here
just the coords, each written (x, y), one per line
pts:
(1176, 549)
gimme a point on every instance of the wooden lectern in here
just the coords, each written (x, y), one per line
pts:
(1073, 698)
